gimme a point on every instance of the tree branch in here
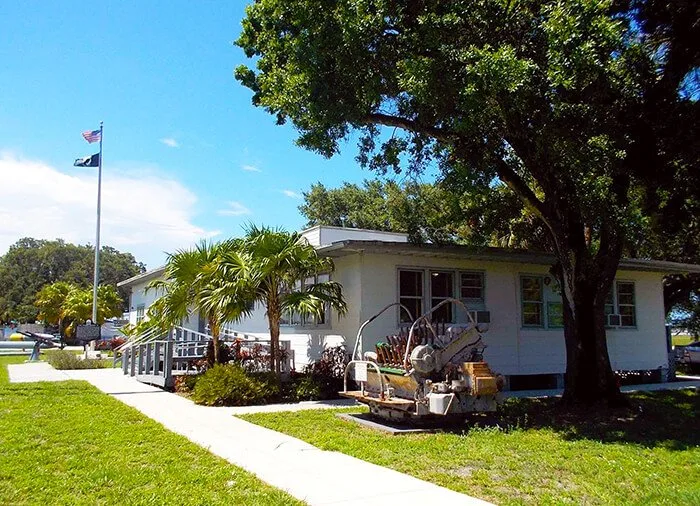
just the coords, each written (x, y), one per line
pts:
(411, 125)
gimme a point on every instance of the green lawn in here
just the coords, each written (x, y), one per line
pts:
(68, 443)
(681, 340)
(532, 453)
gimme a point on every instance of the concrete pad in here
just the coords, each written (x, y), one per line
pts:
(383, 425)
(297, 406)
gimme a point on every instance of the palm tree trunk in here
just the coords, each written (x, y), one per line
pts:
(273, 319)
(214, 327)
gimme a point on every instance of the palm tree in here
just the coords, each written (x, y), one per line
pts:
(77, 306)
(50, 301)
(190, 278)
(269, 265)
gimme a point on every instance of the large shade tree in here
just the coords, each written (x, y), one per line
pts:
(577, 107)
(273, 267)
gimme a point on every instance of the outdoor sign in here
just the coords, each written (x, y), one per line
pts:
(360, 371)
(87, 332)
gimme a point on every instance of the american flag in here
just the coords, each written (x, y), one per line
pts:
(92, 136)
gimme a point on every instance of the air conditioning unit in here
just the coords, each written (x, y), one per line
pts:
(481, 316)
(613, 320)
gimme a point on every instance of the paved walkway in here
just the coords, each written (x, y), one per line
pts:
(312, 475)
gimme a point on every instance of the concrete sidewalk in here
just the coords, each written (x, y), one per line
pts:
(312, 475)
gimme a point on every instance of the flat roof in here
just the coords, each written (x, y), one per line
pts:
(143, 277)
(343, 248)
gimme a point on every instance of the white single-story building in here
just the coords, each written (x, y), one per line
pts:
(511, 290)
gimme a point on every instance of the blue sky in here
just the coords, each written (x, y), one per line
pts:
(177, 124)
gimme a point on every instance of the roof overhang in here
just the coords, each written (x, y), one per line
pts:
(453, 251)
(142, 278)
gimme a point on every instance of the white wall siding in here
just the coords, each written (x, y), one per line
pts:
(324, 235)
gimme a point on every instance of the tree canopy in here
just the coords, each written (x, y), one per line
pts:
(427, 212)
(29, 264)
(585, 110)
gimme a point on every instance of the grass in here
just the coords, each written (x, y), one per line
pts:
(682, 339)
(533, 453)
(68, 443)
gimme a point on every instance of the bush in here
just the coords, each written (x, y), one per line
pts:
(230, 385)
(109, 344)
(185, 384)
(61, 359)
(323, 379)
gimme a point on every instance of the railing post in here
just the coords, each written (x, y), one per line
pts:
(125, 359)
(156, 358)
(168, 362)
(149, 358)
(132, 362)
(141, 357)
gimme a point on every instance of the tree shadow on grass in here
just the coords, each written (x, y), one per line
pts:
(665, 418)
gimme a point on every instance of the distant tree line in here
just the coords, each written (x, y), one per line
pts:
(30, 264)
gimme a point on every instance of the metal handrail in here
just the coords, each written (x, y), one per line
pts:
(358, 338)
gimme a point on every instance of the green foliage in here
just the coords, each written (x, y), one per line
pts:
(230, 385)
(268, 266)
(31, 264)
(68, 305)
(323, 379)
(438, 213)
(62, 359)
(185, 384)
(193, 284)
(580, 108)
(77, 307)
(50, 301)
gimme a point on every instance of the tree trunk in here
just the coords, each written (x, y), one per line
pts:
(589, 376)
(585, 282)
(273, 320)
(214, 327)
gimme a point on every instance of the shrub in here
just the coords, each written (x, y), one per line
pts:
(230, 385)
(323, 379)
(185, 384)
(109, 344)
(61, 359)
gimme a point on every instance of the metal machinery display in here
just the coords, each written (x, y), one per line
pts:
(426, 371)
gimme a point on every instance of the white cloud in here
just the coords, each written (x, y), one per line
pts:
(145, 214)
(169, 141)
(234, 209)
(250, 168)
(291, 194)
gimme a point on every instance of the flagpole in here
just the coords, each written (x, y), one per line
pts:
(96, 278)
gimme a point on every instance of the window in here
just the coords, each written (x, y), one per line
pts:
(140, 313)
(532, 301)
(471, 286)
(296, 319)
(621, 301)
(410, 293)
(441, 288)
(541, 302)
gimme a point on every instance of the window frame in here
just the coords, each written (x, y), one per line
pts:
(614, 290)
(545, 302)
(420, 298)
(472, 300)
(432, 298)
(427, 296)
(296, 320)
(140, 313)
